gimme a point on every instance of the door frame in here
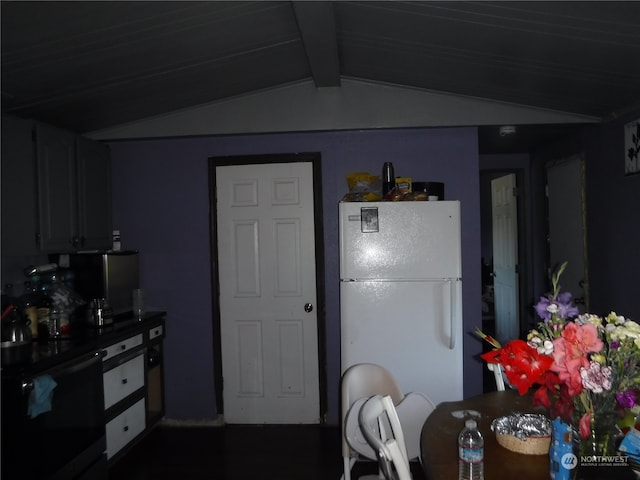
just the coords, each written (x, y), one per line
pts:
(220, 161)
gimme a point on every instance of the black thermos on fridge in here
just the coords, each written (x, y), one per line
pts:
(388, 178)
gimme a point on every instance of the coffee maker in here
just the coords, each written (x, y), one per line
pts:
(108, 276)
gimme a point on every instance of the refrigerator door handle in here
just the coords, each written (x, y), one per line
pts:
(452, 314)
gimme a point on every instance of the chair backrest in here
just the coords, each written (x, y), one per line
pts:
(362, 381)
(498, 372)
(381, 427)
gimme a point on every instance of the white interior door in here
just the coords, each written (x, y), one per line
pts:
(566, 226)
(266, 251)
(505, 256)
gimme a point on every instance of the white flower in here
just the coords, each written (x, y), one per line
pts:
(632, 326)
(544, 347)
(589, 318)
(596, 378)
(628, 329)
(613, 317)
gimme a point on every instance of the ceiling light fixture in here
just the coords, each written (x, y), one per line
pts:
(507, 130)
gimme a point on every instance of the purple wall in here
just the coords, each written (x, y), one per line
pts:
(161, 207)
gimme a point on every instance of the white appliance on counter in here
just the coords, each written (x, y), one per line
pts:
(401, 293)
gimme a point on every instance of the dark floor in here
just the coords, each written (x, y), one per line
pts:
(239, 453)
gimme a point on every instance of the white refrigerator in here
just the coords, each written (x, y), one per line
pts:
(401, 293)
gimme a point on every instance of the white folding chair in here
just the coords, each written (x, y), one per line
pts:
(361, 381)
(381, 427)
(496, 368)
(502, 382)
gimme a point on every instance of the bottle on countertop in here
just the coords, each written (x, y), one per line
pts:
(58, 314)
(44, 306)
(55, 320)
(29, 301)
(470, 452)
(388, 178)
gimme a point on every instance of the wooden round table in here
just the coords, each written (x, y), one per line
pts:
(439, 440)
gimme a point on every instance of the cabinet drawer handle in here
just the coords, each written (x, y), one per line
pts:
(124, 380)
(126, 429)
(123, 346)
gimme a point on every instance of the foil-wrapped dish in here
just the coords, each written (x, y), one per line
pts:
(526, 433)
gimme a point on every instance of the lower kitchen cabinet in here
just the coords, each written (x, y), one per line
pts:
(155, 375)
(133, 385)
(109, 388)
(123, 380)
(125, 427)
(121, 346)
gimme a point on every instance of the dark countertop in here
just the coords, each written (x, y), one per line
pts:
(83, 339)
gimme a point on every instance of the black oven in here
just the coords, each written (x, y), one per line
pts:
(65, 442)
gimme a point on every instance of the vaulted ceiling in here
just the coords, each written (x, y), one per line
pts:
(88, 65)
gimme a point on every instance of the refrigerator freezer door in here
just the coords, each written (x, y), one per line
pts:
(400, 240)
(412, 328)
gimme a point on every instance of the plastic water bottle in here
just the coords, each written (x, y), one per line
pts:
(470, 452)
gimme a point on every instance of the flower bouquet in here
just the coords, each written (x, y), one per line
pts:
(585, 368)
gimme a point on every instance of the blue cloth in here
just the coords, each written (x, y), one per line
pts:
(41, 395)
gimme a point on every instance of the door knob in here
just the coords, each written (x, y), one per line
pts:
(308, 307)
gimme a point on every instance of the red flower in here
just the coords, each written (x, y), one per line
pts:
(522, 363)
(554, 395)
(585, 425)
(541, 398)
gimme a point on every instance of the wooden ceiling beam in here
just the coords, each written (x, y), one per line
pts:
(316, 22)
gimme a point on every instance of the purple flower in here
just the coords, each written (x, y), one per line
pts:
(615, 344)
(561, 305)
(541, 309)
(565, 308)
(626, 399)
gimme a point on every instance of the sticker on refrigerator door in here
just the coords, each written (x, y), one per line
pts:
(369, 219)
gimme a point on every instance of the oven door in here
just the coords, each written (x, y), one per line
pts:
(67, 440)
